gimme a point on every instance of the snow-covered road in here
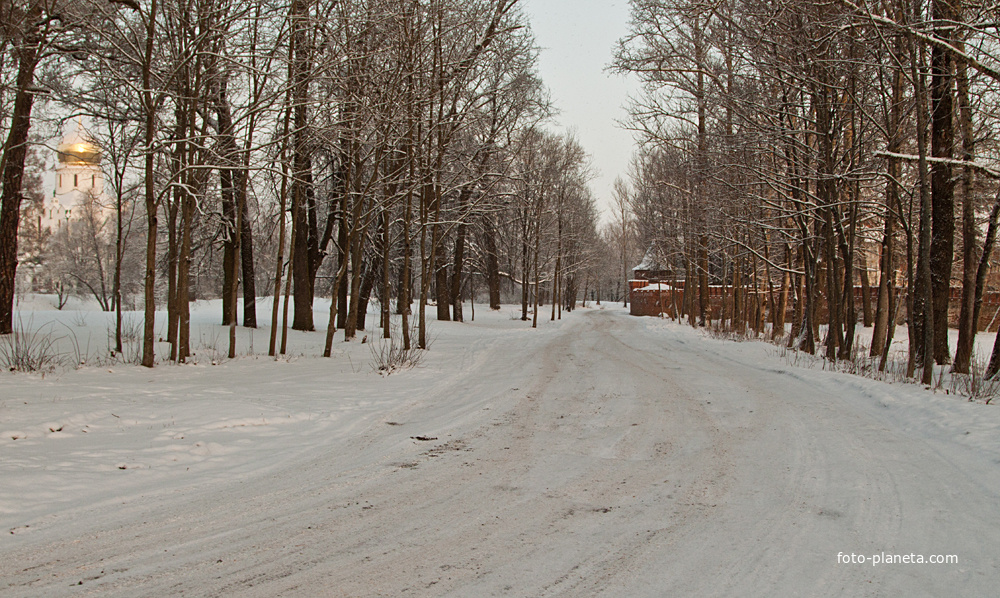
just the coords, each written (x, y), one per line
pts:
(608, 455)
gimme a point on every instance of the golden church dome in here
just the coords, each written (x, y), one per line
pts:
(78, 148)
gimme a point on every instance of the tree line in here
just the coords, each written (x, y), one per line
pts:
(387, 151)
(788, 145)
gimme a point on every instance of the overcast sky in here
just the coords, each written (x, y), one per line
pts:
(577, 38)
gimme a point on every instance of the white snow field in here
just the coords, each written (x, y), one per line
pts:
(603, 455)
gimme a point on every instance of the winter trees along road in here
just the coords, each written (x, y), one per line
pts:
(383, 149)
(795, 151)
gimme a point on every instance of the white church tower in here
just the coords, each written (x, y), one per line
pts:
(79, 180)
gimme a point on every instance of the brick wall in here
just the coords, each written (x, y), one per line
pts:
(654, 303)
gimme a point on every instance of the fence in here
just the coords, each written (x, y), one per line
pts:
(654, 299)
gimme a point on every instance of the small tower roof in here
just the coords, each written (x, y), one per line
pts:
(78, 147)
(649, 261)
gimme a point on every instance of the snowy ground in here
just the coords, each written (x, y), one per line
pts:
(600, 455)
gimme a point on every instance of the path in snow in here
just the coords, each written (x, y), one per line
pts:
(606, 457)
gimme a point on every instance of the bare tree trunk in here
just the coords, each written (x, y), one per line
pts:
(923, 311)
(968, 321)
(343, 255)
(119, 257)
(280, 258)
(183, 279)
(234, 288)
(350, 330)
(228, 189)
(288, 277)
(427, 205)
(555, 278)
(457, 272)
(404, 299)
(737, 319)
(701, 175)
(228, 241)
(304, 239)
(149, 107)
(14, 152)
(781, 308)
(246, 253)
(525, 268)
(797, 311)
(492, 261)
(867, 315)
(184, 208)
(331, 326)
(883, 311)
(848, 255)
(807, 332)
(442, 284)
(385, 323)
(368, 277)
(172, 208)
(942, 184)
(984, 267)
(538, 249)
(303, 234)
